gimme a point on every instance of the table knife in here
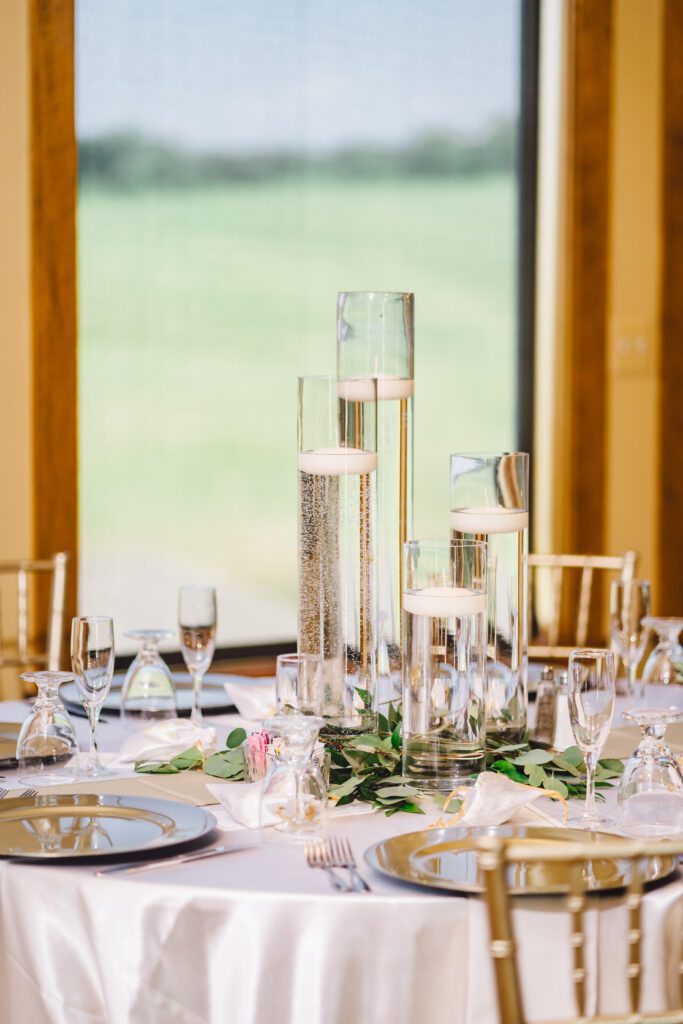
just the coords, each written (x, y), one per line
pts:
(183, 858)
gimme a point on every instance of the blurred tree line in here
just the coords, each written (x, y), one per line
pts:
(128, 161)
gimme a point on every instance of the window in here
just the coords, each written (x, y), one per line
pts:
(240, 164)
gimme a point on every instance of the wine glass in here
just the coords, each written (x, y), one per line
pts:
(591, 690)
(148, 693)
(665, 664)
(629, 605)
(299, 684)
(651, 790)
(92, 660)
(47, 742)
(293, 804)
(197, 621)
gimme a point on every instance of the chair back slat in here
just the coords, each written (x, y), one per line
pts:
(22, 613)
(556, 565)
(498, 857)
(27, 655)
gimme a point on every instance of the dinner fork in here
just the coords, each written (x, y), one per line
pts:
(318, 856)
(342, 857)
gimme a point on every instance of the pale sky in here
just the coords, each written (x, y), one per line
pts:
(248, 75)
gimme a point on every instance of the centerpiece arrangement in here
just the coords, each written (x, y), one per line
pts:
(422, 647)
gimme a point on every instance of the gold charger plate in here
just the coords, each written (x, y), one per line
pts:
(9, 732)
(446, 858)
(53, 827)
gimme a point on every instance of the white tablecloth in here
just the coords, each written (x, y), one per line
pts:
(256, 936)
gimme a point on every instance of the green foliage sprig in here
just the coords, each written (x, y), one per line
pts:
(367, 768)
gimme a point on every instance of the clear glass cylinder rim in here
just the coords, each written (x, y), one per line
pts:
(424, 546)
(378, 294)
(489, 455)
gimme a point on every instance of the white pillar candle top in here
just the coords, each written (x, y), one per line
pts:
(489, 520)
(444, 602)
(361, 389)
(337, 461)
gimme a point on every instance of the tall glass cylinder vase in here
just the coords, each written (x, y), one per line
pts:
(490, 502)
(375, 333)
(444, 663)
(337, 464)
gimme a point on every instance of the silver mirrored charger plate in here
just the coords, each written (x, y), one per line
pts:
(446, 859)
(84, 825)
(214, 699)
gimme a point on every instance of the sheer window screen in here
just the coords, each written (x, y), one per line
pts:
(240, 164)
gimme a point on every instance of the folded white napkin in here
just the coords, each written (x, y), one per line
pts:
(495, 799)
(241, 800)
(163, 740)
(254, 700)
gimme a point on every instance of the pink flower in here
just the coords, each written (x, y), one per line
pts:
(259, 741)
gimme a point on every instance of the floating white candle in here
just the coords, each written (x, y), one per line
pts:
(444, 602)
(361, 389)
(337, 461)
(489, 520)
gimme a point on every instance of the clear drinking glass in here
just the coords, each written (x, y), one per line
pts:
(651, 789)
(591, 691)
(47, 742)
(629, 606)
(375, 338)
(197, 621)
(148, 693)
(293, 806)
(298, 684)
(337, 464)
(444, 663)
(490, 502)
(665, 663)
(92, 660)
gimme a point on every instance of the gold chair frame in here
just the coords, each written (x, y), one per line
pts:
(497, 855)
(25, 657)
(624, 565)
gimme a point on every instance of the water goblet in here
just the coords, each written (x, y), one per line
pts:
(148, 693)
(665, 663)
(293, 805)
(298, 684)
(629, 606)
(651, 791)
(197, 622)
(92, 659)
(47, 742)
(591, 692)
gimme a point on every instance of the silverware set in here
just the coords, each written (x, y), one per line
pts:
(334, 855)
(27, 792)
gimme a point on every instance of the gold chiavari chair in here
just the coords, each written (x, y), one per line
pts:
(23, 653)
(498, 857)
(556, 565)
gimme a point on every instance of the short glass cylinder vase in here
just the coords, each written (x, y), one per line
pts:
(444, 663)
(490, 502)
(337, 469)
(375, 338)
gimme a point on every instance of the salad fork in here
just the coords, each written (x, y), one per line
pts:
(318, 855)
(342, 857)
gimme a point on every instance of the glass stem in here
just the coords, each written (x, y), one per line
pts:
(632, 670)
(591, 811)
(196, 715)
(94, 754)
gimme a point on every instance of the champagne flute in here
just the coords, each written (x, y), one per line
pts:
(629, 605)
(592, 690)
(92, 660)
(197, 621)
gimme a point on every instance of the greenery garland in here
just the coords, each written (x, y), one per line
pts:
(367, 768)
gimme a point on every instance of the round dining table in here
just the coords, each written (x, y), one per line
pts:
(255, 936)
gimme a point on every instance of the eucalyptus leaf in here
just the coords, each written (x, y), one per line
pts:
(535, 756)
(236, 738)
(536, 774)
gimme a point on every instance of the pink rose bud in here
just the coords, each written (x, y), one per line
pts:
(259, 740)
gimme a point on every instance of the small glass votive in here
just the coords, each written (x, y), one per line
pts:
(299, 684)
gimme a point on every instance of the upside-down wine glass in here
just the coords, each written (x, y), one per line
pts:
(92, 660)
(197, 622)
(591, 690)
(651, 790)
(665, 664)
(629, 606)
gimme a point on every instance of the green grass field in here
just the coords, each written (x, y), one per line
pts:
(199, 308)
